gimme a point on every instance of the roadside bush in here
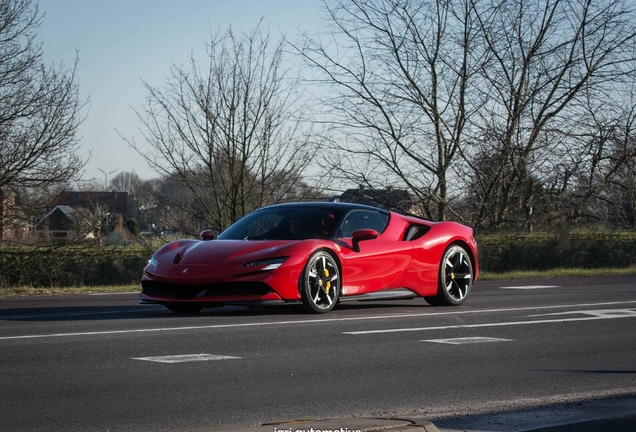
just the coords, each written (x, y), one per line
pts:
(502, 253)
(93, 266)
(133, 226)
(72, 266)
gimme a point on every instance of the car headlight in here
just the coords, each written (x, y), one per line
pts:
(271, 263)
(152, 262)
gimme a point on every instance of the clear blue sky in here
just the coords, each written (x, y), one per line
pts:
(121, 42)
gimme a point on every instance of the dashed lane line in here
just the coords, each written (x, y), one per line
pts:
(186, 358)
(314, 321)
(467, 340)
(595, 315)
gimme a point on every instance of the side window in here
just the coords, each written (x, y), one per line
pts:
(363, 219)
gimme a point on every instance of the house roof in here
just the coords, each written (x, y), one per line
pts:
(116, 202)
(67, 210)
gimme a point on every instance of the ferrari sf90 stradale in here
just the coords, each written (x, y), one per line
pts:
(315, 254)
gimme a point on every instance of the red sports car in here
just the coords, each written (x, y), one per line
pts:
(317, 254)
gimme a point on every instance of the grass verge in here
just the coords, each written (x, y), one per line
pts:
(30, 291)
(567, 272)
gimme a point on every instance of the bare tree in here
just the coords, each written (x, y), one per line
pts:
(548, 66)
(227, 130)
(126, 181)
(39, 109)
(397, 75)
(40, 105)
(601, 179)
(139, 194)
(616, 205)
(489, 96)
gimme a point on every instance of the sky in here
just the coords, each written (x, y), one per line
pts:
(122, 42)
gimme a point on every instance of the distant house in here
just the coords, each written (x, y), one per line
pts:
(59, 223)
(113, 202)
(77, 213)
(390, 199)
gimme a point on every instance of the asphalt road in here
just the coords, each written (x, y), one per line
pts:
(97, 363)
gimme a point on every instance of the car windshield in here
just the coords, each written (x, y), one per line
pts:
(286, 223)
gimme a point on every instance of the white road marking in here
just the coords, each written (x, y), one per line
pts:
(311, 321)
(113, 293)
(601, 313)
(497, 324)
(467, 340)
(186, 358)
(530, 287)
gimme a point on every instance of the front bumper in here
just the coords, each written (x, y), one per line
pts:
(172, 286)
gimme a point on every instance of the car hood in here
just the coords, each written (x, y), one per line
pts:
(220, 251)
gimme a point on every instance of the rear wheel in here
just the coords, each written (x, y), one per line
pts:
(320, 283)
(184, 308)
(455, 278)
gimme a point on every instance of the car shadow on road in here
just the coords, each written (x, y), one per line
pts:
(90, 312)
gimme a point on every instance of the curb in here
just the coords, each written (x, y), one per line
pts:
(364, 424)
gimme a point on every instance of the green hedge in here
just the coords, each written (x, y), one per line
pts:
(502, 253)
(72, 266)
(93, 266)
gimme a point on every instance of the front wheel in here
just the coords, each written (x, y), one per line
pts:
(455, 278)
(320, 283)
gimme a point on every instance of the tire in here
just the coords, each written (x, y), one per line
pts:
(320, 283)
(455, 278)
(184, 308)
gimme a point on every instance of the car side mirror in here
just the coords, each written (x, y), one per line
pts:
(208, 235)
(361, 235)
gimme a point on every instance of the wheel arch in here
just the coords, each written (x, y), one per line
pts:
(315, 288)
(333, 254)
(335, 257)
(469, 250)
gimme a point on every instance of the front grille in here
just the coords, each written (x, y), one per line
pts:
(184, 292)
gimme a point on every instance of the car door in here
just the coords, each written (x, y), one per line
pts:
(381, 263)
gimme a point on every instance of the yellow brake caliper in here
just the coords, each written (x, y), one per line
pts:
(325, 272)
